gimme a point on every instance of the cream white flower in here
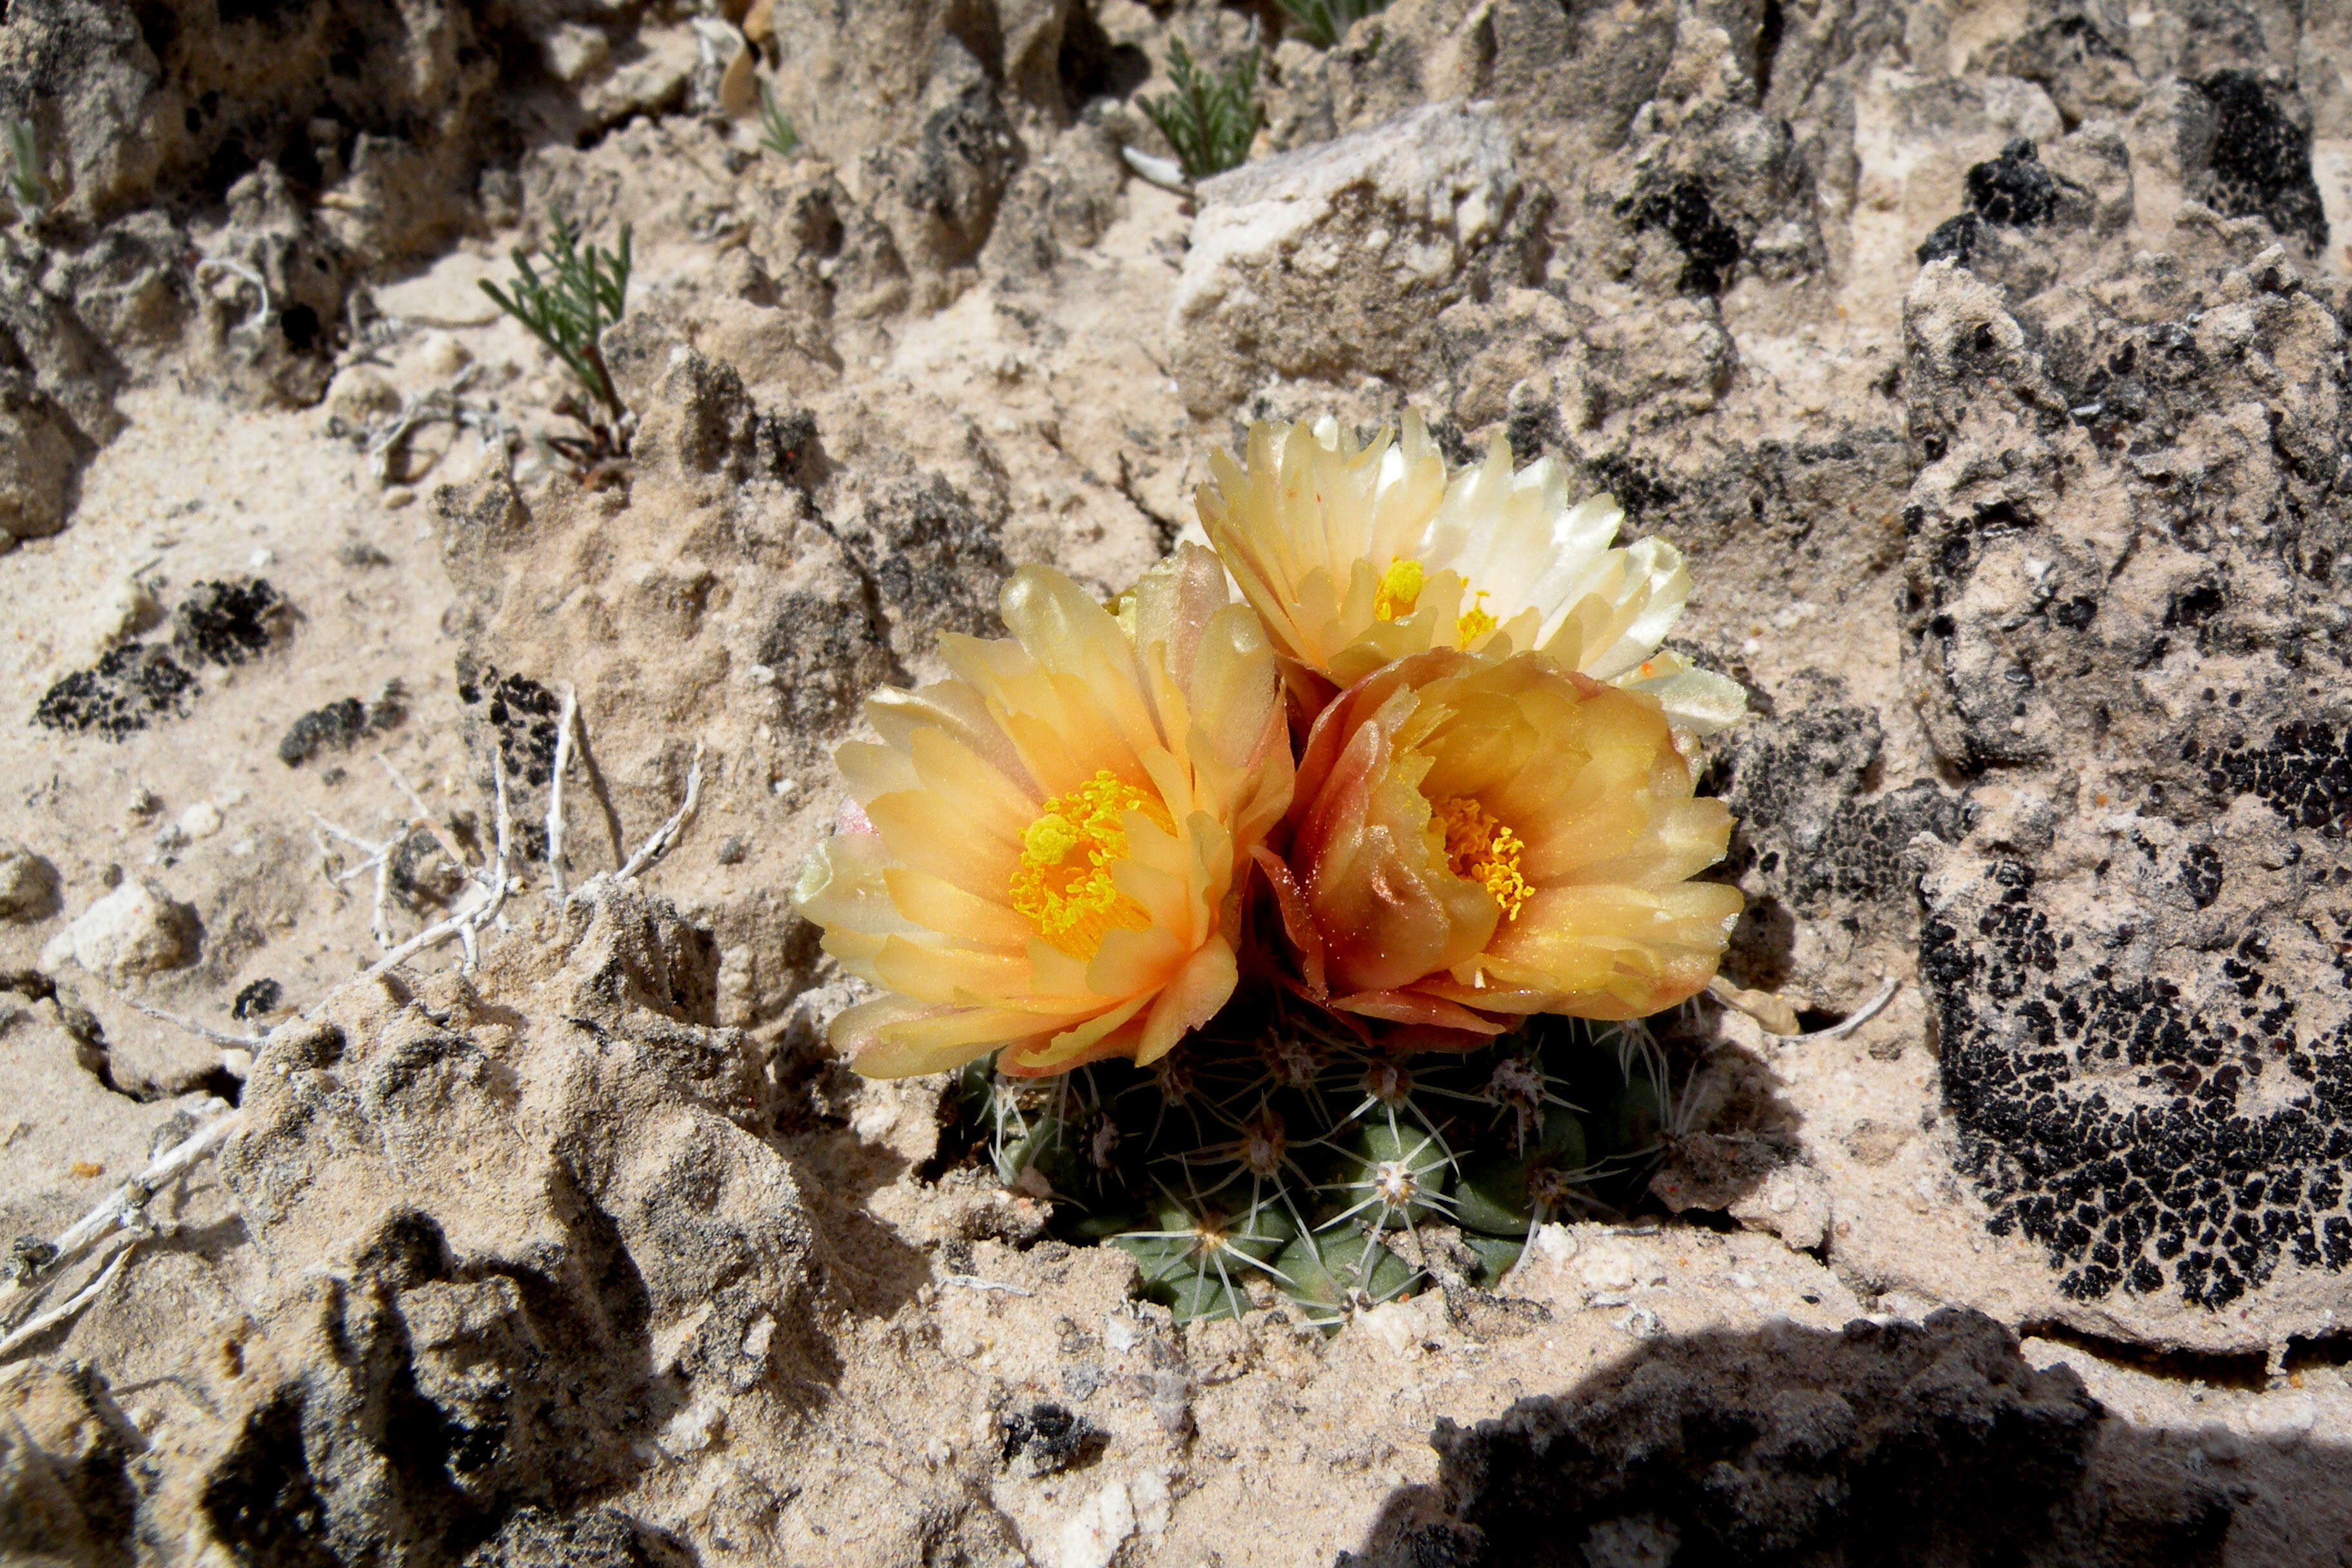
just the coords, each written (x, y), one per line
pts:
(1356, 556)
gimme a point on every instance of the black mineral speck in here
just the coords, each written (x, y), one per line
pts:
(2194, 1182)
(1953, 239)
(523, 713)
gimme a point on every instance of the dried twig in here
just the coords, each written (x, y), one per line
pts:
(563, 728)
(125, 1206)
(202, 1032)
(34, 1328)
(666, 833)
(261, 317)
(425, 818)
(378, 859)
(1860, 1015)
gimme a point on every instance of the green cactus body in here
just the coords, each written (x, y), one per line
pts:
(1333, 1176)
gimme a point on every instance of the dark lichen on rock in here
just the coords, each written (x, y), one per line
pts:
(128, 688)
(2262, 159)
(228, 623)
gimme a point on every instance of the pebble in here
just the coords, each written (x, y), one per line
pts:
(135, 929)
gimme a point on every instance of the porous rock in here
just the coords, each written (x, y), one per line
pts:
(507, 1330)
(1336, 260)
(66, 1496)
(39, 463)
(2120, 599)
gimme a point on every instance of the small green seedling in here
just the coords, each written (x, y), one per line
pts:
(1324, 23)
(776, 132)
(582, 293)
(26, 184)
(1211, 118)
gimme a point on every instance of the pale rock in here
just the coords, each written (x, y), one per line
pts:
(572, 51)
(1609, 1266)
(1793, 1203)
(1335, 261)
(1091, 1536)
(359, 395)
(28, 884)
(137, 929)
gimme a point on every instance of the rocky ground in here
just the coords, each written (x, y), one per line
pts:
(1987, 361)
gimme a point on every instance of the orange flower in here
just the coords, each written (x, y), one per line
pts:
(1046, 851)
(1475, 836)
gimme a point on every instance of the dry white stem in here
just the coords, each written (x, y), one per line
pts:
(436, 408)
(132, 1196)
(974, 1282)
(504, 824)
(563, 728)
(347, 837)
(431, 936)
(260, 316)
(218, 1038)
(500, 882)
(379, 861)
(1860, 1015)
(33, 1328)
(378, 914)
(666, 833)
(425, 818)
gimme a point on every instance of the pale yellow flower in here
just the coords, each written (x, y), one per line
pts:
(1048, 850)
(1358, 555)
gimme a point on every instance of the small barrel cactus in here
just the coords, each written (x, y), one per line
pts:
(1295, 1163)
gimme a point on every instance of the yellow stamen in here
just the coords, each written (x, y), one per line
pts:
(1400, 589)
(1481, 850)
(1062, 883)
(1475, 622)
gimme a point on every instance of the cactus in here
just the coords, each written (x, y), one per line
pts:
(1274, 1157)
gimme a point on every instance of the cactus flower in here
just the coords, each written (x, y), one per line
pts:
(1474, 840)
(1046, 852)
(1358, 555)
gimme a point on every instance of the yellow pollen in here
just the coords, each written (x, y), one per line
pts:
(1400, 589)
(1062, 883)
(1475, 622)
(1481, 850)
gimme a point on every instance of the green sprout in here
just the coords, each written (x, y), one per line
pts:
(27, 184)
(582, 293)
(1210, 117)
(776, 132)
(1324, 23)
